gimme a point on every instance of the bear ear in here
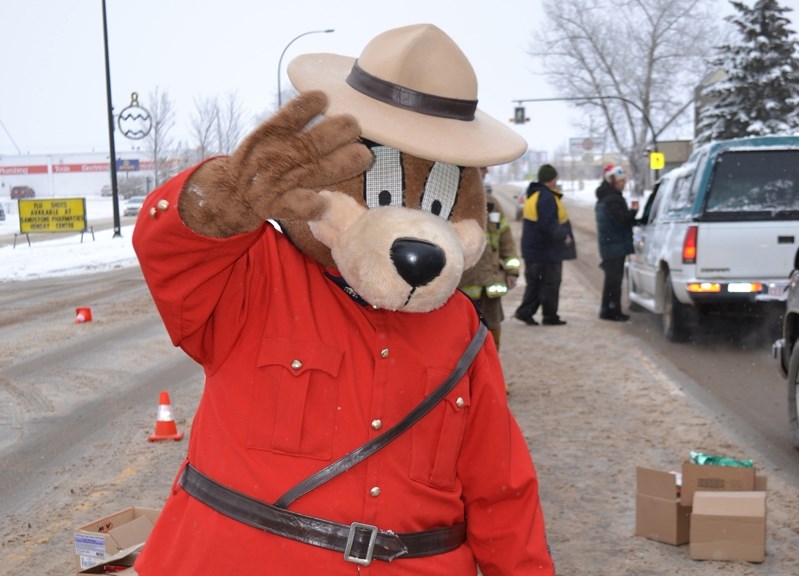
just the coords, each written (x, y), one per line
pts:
(342, 210)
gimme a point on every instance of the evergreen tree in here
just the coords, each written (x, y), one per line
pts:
(759, 92)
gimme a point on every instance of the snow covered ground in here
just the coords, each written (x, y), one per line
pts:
(68, 255)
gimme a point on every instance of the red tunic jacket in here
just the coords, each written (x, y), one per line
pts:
(297, 375)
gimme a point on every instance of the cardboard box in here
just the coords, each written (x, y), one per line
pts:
(728, 526)
(659, 514)
(113, 537)
(120, 564)
(709, 478)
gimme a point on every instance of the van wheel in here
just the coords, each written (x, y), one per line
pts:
(676, 318)
(793, 397)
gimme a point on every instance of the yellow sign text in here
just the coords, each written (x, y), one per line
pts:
(52, 215)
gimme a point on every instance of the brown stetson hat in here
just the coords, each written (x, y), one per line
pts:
(413, 89)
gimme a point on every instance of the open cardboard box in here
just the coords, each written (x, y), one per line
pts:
(663, 506)
(728, 526)
(119, 564)
(659, 514)
(116, 537)
(710, 478)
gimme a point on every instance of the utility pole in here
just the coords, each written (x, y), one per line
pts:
(111, 146)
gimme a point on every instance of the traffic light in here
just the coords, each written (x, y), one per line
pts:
(519, 115)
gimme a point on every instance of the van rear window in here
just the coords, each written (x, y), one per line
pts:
(754, 184)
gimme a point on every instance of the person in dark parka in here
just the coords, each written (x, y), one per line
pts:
(547, 241)
(614, 224)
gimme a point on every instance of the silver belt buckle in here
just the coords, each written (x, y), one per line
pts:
(354, 527)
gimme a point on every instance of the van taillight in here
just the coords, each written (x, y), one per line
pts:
(689, 246)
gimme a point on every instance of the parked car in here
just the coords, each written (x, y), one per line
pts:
(129, 187)
(718, 233)
(126, 187)
(18, 192)
(786, 351)
(133, 205)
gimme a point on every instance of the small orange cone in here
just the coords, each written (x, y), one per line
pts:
(165, 427)
(83, 315)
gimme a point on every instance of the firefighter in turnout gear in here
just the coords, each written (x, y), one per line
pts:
(498, 268)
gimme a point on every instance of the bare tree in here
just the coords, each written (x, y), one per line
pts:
(217, 128)
(229, 128)
(160, 141)
(203, 124)
(633, 64)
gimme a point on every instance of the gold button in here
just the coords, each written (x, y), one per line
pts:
(152, 212)
(459, 402)
(377, 424)
(163, 205)
(374, 492)
(296, 364)
(384, 353)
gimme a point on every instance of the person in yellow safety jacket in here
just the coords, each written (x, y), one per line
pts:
(497, 270)
(547, 241)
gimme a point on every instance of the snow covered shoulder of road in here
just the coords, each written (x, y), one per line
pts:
(96, 252)
(66, 255)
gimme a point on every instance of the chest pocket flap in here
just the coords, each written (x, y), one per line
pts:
(295, 393)
(300, 356)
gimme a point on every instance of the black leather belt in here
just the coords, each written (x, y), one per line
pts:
(360, 543)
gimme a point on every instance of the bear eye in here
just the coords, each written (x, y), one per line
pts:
(384, 178)
(441, 189)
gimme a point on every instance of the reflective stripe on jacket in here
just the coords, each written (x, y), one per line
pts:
(499, 259)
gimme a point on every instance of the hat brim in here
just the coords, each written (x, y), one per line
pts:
(480, 142)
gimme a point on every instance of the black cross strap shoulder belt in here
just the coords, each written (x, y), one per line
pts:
(360, 543)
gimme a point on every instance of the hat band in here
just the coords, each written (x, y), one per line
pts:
(402, 97)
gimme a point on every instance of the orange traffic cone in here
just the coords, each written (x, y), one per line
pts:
(83, 315)
(165, 427)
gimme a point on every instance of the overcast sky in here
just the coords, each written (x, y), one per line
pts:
(53, 95)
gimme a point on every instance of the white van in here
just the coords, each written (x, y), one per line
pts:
(718, 233)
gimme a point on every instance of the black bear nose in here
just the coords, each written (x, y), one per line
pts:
(417, 261)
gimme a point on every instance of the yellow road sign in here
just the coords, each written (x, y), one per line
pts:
(52, 215)
(657, 160)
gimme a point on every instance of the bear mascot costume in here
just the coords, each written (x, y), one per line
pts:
(354, 418)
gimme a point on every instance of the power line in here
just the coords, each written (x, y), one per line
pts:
(10, 137)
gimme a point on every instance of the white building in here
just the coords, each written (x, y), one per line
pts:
(73, 175)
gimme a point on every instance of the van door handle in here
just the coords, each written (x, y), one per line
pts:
(785, 240)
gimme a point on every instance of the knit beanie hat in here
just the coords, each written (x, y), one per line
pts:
(612, 171)
(547, 173)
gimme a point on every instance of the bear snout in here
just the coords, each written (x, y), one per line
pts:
(418, 262)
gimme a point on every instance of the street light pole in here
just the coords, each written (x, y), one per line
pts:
(622, 98)
(112, 148)
(280, 60)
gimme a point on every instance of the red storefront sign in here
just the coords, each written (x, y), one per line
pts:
(22, 170)
(69, 168)
(87, 167)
